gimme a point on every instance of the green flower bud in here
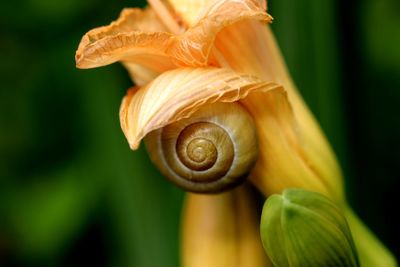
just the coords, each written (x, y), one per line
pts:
(303, 228)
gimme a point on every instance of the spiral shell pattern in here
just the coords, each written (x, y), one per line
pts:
(209, 152)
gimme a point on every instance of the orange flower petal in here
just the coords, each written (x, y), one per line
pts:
(282, 161)
(192, 11)
(259, 55)
(135, 28)
(137, 38)
(194, 46)
(177, 94)
(143, 44)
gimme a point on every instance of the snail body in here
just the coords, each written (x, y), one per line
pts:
(210, 152)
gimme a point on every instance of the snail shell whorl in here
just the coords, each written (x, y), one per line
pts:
(209, 152)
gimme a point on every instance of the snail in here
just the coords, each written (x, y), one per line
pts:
(211, 151)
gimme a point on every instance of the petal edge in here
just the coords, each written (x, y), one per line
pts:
(177, 94)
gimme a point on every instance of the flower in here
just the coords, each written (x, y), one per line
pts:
(150, 52)
(184, 55)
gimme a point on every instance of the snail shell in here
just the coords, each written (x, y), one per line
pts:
(209, 152)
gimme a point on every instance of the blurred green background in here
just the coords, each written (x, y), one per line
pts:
(73, 194)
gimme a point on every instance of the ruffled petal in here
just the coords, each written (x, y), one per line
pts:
(137, 39)
(177, 94)
(143, 44)
(192, 11)
(194, 46)
(134, 29)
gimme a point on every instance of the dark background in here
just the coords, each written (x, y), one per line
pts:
(73, 194)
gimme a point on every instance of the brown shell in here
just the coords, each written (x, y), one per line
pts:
(209, 152)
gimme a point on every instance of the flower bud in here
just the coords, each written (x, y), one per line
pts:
(304, 228)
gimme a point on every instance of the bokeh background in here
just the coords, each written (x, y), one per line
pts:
(73, 194)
